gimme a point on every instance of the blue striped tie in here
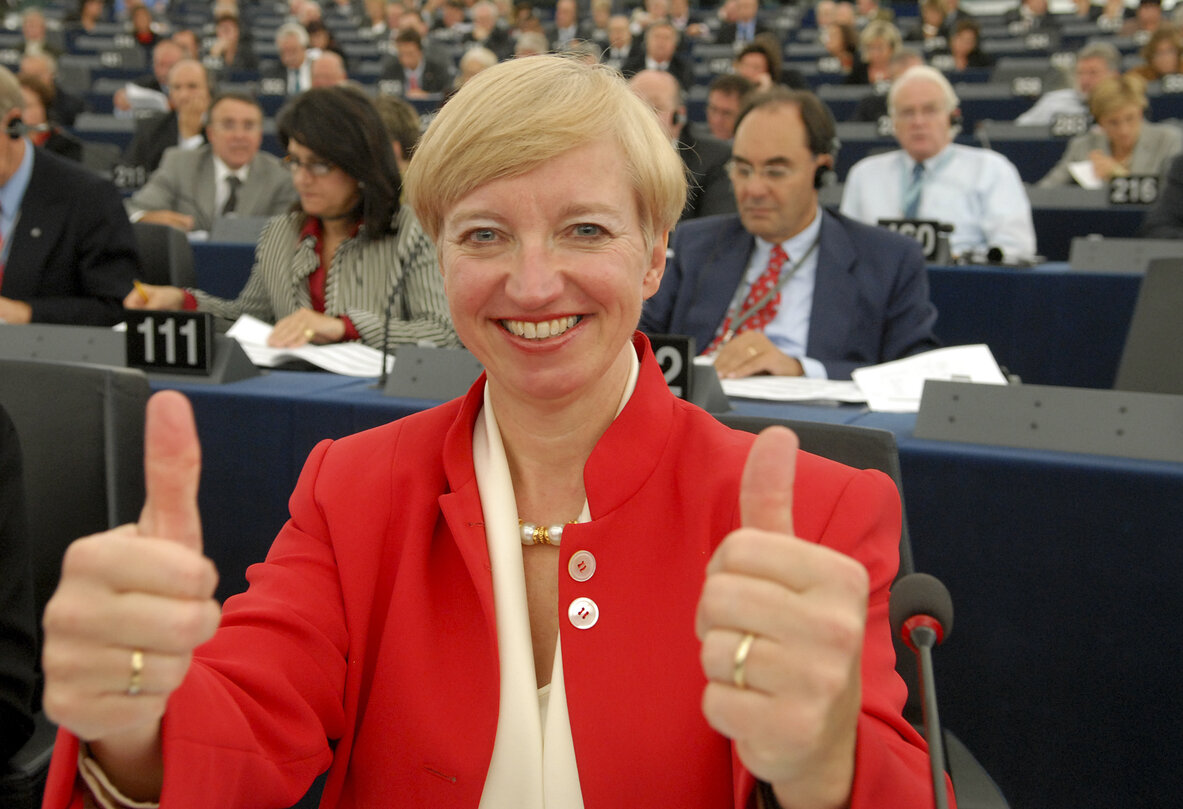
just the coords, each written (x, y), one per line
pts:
(912, 195)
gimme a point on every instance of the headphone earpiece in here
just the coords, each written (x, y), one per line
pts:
(955, 119)
(819, 174)
(16, 128)
(679, 118)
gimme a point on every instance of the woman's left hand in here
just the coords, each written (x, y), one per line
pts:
(790, 698)
(306, 326)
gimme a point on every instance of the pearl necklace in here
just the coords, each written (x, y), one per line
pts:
(542, 534)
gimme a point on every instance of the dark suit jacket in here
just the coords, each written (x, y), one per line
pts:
(73, 254)
(65, 107)
(499, 41)
(679, 67)
(710, 190)
(63, 143)
(18, 617)
(152, 136)
(870, 297)
(436, 78)
(1164, 220)
(726, 33)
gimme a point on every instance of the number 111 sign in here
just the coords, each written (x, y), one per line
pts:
(177, 342)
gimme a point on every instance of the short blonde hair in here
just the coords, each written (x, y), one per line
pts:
(517, 115)
(879, 29)
(1116, 93)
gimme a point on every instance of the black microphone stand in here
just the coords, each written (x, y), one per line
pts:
(924, 638)
(386, 338)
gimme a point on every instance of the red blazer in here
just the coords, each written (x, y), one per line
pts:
(371, 624)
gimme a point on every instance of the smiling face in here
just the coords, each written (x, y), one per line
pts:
(545, 274)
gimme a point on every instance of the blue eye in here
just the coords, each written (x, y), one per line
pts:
(588, 229)
(482, 235)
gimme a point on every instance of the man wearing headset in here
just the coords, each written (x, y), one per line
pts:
(705, 157)
(977, 191)
(67, 250)
(786, 287)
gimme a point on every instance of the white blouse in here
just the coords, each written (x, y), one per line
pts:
(533, 764)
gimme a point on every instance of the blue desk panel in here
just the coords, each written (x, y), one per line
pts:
(1052, 327)
(1061, 567)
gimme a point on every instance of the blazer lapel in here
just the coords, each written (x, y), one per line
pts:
(722, 274)
(206, 181)
(31, 241)
(831, 317)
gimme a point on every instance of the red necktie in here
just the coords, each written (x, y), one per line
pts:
(759, 319)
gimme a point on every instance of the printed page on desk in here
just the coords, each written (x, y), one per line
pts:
(348, 359)
(896, 386)
(789, 388)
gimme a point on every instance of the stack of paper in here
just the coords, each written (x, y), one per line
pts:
(893, 387)
(348, 359)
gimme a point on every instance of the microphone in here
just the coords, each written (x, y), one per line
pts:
(921, 612)
(386, 336)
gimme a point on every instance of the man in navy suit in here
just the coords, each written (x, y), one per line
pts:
(840, 296)
(67, 250)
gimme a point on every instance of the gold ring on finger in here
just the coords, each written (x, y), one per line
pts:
(136, 681)
(309, 334)
(739, 665)
(752, 351)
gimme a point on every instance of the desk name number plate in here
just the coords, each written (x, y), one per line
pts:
(1137, 189)
(929, 234)
(675, 357)
(177, 342)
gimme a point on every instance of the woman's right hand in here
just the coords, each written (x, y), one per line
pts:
(151, 296)
(1105, 166)
(139, 597)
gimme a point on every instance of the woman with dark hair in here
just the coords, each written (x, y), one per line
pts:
(841, 41)
(331, 269)
(45, 133)
(965, 46)
(321, 38)
(760, 63)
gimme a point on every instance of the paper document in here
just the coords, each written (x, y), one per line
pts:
(348, 359)
(895, 387)
(785, 388)
(141, 98)
(1085, 175)
(793, 389)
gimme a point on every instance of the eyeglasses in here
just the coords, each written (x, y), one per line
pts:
(317, 168)
(742, 172)
(926, 112)
(248, 127)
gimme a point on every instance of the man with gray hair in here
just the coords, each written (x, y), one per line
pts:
(294, 68)
(1095, 62)
(67, 251)
(977, 191)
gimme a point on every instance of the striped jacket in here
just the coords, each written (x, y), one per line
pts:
(358, 285)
